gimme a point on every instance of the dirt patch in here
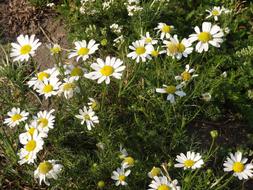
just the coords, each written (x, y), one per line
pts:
(20, 17)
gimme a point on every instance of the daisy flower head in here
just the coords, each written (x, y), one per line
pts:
(74, 71)
(49, 87)
(15, 116)
(187, 75)
(215, 12)
(155, 52)
(178, 49)
(162, 183)
(32, 145)
(123, 152)
(211, 34)
(237, 164)
(93, 104)
(87, 115)
(191, 160)
(141, 51)
(47, 170)
(154, 172)
(30, 130)
(69, 87)
(120, 176)
(84, 49)
(24, 48)
(103, 70)
(148, 39)
(165, 30)
(55, 49)
(171, 90)
(45, 120)
(36, 81)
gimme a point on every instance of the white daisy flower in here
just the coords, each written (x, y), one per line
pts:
(15, 117)
(171, 90)
(178, 49)
(148, 39)
(88, 116)
(215, 12)
(45, 120)
(154, 172)
(120, 176)
(111, 67)
(49, 87)
(30, 130)
(93, 103)
(187, 75)
(25, 47)
(123, 152)
(162, 183)
(140, 51)
(206, 96)
(69, 87)
(209, 35)
(165, 30)
(32, 145)
(41, 76)
(191, 160)
(237, 164)
(47, 169)
(154, 52)
(83, 49)
(74, 71)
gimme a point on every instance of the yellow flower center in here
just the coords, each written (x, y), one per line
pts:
(166, 29)
(94, 105)
(215, 12)
(83, 51)
(189, 163)
(171, 89)
(163, 187)
(154, 53)
(43, 122)
(204, 37)
(129, 160)
(148, 40)
(180, 47)
(122, 178)
(55, 50)
(186, 76)
(172, 48)
(45, 167)
(25, 49)
(68, 86)
(77, 71)
(238, 167)
(107, 70)
(31, 131)
(16, 117)
(140, 50)
(86, 117)
(155, 171)
(30, 146)
(42, 75)
(48, 88)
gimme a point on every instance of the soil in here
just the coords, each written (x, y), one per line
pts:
(20, 17)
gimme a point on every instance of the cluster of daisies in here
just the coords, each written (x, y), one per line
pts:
(121, 173)
(148, 48)
(161, 179)
(32, 141)
(62, 80)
